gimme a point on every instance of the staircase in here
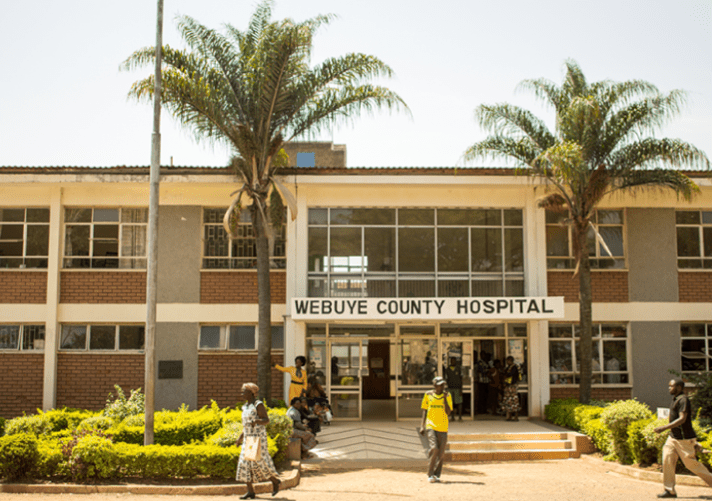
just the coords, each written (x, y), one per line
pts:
(516, 446)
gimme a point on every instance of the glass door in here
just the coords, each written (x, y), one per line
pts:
(457, 361)
(348, 361)
(418, 363)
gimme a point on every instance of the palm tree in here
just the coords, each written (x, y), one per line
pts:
(602, 144)
(254, 91)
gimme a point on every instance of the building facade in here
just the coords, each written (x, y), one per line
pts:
(383, 276)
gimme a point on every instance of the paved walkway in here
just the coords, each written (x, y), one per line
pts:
(344, 441)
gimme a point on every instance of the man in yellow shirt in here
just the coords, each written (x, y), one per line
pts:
(436, 408)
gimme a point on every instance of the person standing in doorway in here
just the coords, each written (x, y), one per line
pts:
(511, 397)
(436, 408)
(453, 374)
(483, 382)
(298, 378)
(681, 441)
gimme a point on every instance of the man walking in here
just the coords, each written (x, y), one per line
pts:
(436, 408)
(681, 441)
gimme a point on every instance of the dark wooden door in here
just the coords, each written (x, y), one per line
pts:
(376, 385)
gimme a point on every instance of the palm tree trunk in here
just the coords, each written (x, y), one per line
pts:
(263, 365)
(585, 299)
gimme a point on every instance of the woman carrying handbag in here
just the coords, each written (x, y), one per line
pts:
(254, 464)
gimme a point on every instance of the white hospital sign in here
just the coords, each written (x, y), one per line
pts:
(514, 308)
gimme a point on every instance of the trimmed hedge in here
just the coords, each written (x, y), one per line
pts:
(18, 455)
(617, 417)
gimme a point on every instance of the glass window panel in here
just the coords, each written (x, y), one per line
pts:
(38, 215)
(416, 288)
(690, 330)
(688, 242)
(105, 249)
(612, 331)
(138, 215)
(416, 249)
(514, 249)
(242, 338)
(106, 215)
(210, 337)
(614, 356)
(105, 263)
(78, 215)
(687, 217)
(486, 250)
(514, 288)
(38, 240)
(560, 361)
(380, 249)
(277, 340)
(318, 249)
(10, 249)
(456, 217)
(487, 288)
(317, 287)
(12, 214)
(613, 236)
(453, 249)
(106, 232)
(385, 216)
(317, 216)
(708, 241)
(131, 337)
(74, 337)
(77, 241)
(133, 241)
(33, 337)
(11, 231)
(415, 217)
(214, 215)
(555, 217)
(610, 217)
(490, 217)
(453, 288)
(102, 337)
(595, 357)
(346, 250)
(9, 337)
(419, 361)
(381, 288)
(707, 217)
(513, 218)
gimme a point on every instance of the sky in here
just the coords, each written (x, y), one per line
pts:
(63, 98)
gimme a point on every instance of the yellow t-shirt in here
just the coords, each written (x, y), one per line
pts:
(437, 418)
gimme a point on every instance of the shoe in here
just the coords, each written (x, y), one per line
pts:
(668, 495)
(437, 479)
(276, 487)
(432, 479)
(248, 495)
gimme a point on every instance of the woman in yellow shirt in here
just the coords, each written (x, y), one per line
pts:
(298, 378)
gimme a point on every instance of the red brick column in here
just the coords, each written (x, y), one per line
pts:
(234, 287)
(84, 380)
(695, 286)
(103, 287)
(22, 377)
(23, 287)
(607, 286)
(222, 374)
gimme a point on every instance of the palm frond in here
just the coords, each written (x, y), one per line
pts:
(506, 119)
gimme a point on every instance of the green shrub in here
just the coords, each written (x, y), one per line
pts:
(226, 435)
(120, 408)
(638, 448)
(32, 424)
(18, 455)
(560, 412)
(66, 418)
(2, 426)
(600, 435)
(617, 417)
(93, 457)
(655, 441)
(97, 422)
(585, 413)
(707, 444)
(50, 459)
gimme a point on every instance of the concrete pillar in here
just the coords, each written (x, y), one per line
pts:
(52, 326)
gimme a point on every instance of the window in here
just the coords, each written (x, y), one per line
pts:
(222, 252)
(560, 247)
(105, 238)
(102, 337)
(236, 337)
(24, 237)
(415, 252)
(696, 342)
(694, 232)
(610, 353)
(22, 337)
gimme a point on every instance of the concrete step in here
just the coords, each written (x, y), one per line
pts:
(508, 436)
(514, 444)
(479, 456)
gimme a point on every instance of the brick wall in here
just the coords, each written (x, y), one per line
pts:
(23, 287)
(606, 286)
(103, 287)
(221, 376)
(233, 287)
(21, 375)
(85, 379)
(600, 393)
(695, 286)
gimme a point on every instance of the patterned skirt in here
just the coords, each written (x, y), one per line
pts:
(254, 471)
(511, 399)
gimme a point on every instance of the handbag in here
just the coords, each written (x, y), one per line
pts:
(252, 448)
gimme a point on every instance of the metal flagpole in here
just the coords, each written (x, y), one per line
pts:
(150, 340)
